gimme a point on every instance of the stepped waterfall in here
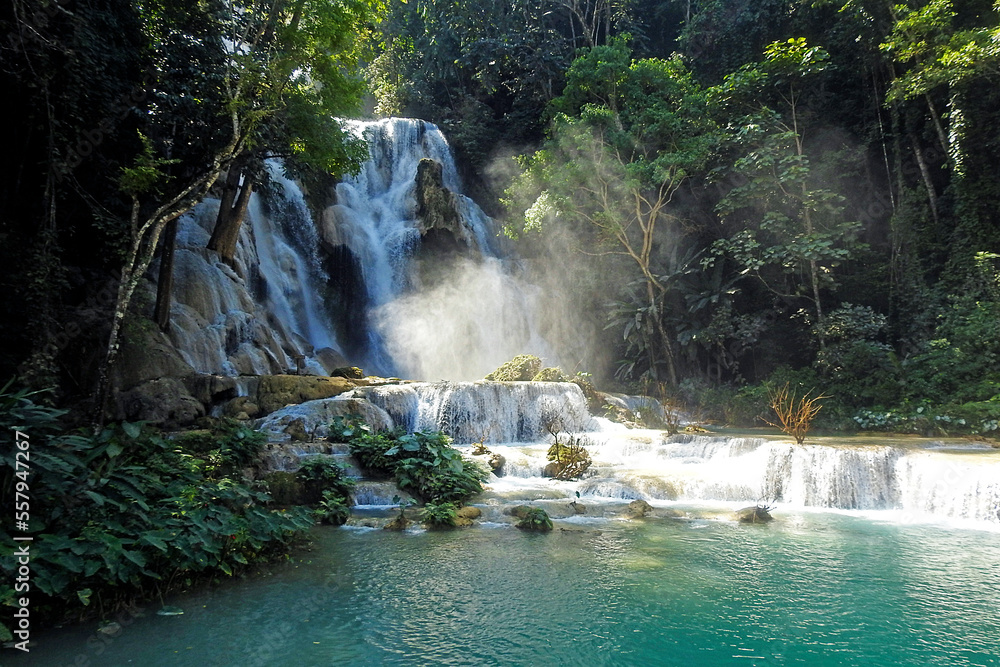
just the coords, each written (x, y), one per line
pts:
(438, 300)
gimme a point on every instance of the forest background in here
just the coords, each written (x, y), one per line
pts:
(750, 193)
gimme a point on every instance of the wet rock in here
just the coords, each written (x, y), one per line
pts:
(296, 430)
(496, 463)
(349, 372)
(276, 391)
(756, 514)
(578, 507)
(517, 511)
(398, 523)
(241, 407)
(469, 512)
(317, 415)
(638, 509)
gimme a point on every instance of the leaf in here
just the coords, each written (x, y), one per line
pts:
(84, 596)
(132, 429)
(96, 497)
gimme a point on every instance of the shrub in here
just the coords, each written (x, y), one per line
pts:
(535, 519)
(321, 473)
(343, 428)
(332, 509)
(569, 460)
(369, 450)
(434, 471)
(127, 513)
(795, 414)
(439, 515)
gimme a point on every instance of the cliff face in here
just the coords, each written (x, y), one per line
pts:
(440, 223)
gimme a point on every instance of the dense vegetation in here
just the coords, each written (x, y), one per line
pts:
(128, 513)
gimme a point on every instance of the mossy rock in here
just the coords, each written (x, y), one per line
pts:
(277, 391)
(638, 509)
(349, 372)
(398, 523)
(550, 374)
(595, 399)
(469, 512)
(518, 511)
(521, 368)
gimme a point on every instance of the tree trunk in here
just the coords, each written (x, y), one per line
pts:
(925, 172)
(230, 218)
(165, 282)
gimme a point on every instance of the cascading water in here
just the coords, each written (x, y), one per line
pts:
(258, 317)
(916, 480)
(472, 313)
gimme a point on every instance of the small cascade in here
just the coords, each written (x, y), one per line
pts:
(485, 411)
(913, 482)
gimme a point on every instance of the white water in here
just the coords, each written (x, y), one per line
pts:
(914, 482)
(473, 314)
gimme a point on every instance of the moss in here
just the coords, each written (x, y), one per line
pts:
(521, 368)
(551, 374)
(285, 488)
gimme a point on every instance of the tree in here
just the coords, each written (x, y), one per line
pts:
(270, 70)
(626, 137)
(790, 221)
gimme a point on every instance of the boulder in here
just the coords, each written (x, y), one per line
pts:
(317, 415)
(578, 507)
(638, 509)
(276, 391)
(469, 512)
(241, 407)
(163, 402)
(210, 389)
(437, 209)
(518, 511)
(349, 372)
(755, 514)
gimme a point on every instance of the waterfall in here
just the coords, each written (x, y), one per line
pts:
(257, 317)
(464, 312)
(914, 482)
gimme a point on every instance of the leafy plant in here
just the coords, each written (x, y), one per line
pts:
(535, 519)
(369, 450)
(332, 509)
(343, 428)
(439, 515)
(321, 474)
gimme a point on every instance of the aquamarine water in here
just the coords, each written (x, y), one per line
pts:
(813, 589)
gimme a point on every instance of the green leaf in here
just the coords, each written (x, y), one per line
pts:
(84, 596)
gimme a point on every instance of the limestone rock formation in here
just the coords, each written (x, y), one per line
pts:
(521, 368)
(277, 391)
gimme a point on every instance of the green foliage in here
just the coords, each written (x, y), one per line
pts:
(430, 468)
(369, 450)
(422, 463)
(535, 519)
(439, 515)
(333, 509)
(127, 512)
(321, 474)
(569, 460)
(343, 428)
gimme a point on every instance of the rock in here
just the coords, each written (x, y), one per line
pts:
(330, 359)
(317, 415)
(277, 391)
(296, 430)
(164, 402)
(399, 522)
(210, 389)
(469, 512)
(350, 372)
(110, 628)
(755, 514)
(153, 356)
(578, 507)
(241, 407)
(496, 463)
(521, 368)
(638, 509)
(595, 400)
(550, 374)
(437, 209)
(518, 511)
